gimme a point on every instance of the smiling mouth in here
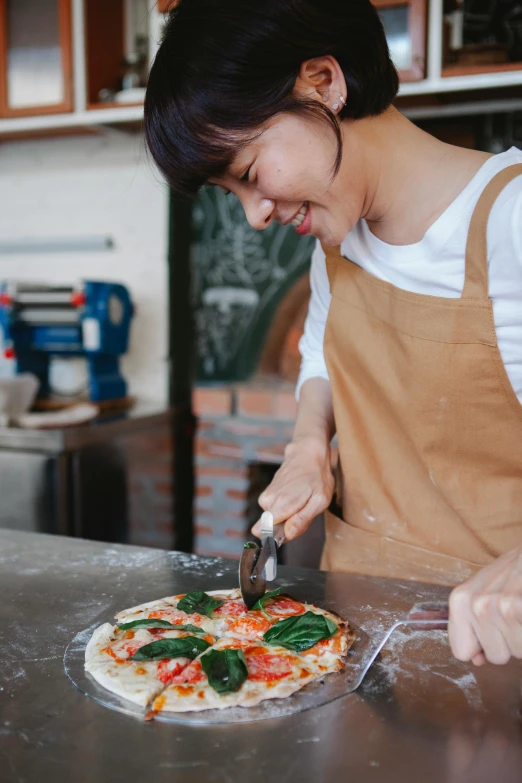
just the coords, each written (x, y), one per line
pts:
(297, 221)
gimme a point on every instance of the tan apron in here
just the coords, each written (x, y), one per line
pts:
(429, 427)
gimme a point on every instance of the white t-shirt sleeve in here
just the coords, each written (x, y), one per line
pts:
(311, 343)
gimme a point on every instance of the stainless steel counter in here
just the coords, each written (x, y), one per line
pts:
(420, 716)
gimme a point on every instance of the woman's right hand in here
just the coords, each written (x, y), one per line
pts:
(301, 489)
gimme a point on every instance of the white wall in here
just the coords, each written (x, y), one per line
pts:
(94, 185)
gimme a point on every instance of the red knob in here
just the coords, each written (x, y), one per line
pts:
(78, 299)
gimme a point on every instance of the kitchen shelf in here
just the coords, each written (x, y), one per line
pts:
(474, 81)
(73, 119)
(438, 81)
(85, 111)
(493, 68)
(101, 107)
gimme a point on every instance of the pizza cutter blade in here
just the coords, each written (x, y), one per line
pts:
(258, 564)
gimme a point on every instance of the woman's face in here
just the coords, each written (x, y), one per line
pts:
(287, 170)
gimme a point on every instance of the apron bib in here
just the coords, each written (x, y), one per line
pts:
(429, 427)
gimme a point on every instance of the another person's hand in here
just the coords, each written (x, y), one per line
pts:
(486, 613)
(301, 489)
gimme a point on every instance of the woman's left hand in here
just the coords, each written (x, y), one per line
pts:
(486, 613)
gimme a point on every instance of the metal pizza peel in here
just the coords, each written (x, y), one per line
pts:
(433, 615)
(258, 564)
(334, 686)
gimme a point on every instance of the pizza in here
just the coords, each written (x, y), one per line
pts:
(206, 650)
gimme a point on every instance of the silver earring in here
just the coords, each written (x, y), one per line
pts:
(335, 106)
(342, 99)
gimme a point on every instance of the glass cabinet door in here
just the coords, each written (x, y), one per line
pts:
(405, 24)
(35, 57)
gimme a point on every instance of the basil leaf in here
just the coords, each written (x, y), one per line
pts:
(199, 602)
(152, 623)
(147, 623)
(271, 594)
(191, 628)
(226, 669)
(186, 647)
(300, 632)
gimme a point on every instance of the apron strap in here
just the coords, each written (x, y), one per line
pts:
(476, 279)
(333, 254)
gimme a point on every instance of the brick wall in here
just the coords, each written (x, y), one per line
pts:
(240, 426)
(148, 459)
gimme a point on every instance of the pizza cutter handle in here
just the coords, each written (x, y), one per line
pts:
(272, 536)
(269, 528)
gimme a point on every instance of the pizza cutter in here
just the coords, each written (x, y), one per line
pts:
(258, 564)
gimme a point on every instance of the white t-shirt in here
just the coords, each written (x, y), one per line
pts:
(435, 266)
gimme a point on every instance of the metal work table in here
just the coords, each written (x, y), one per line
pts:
(73, 480)
(419, 716)
(106, 426)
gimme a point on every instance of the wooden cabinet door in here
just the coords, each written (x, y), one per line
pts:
(405, 24)
(35, 57)
(164, 6)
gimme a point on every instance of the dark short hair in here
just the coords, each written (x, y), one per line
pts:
(226, 67)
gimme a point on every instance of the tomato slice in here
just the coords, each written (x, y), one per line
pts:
(231, 608)
(232, 644)
(334, 645)
(168, 668)
(249, 627)
(267, 667)
(193, 673)
(175, 617)
(284, 607)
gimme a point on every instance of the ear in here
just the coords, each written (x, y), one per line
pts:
(321, 79)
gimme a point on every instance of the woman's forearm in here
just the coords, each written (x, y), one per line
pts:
(303, 486)
(315, 420)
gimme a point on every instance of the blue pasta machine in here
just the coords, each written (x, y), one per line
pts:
(91, 320)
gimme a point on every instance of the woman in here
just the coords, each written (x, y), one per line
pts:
(412, 350)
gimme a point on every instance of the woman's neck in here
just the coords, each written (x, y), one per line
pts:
(411, 177)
